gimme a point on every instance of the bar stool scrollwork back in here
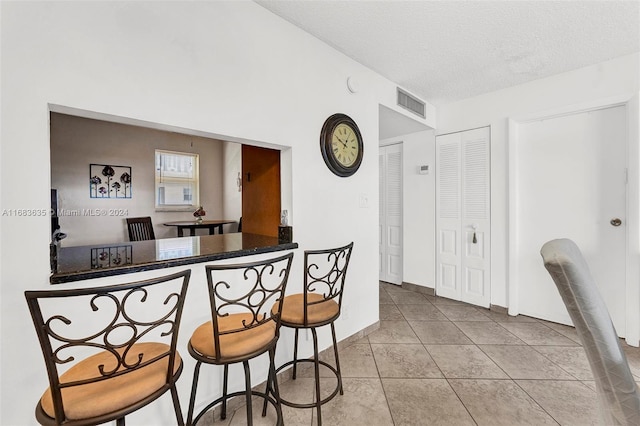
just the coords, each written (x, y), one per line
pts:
(242, 327)
(318, 305)
(108, 351)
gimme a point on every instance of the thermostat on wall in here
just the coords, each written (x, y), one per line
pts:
(423, 170)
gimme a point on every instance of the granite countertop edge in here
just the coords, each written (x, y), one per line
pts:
(66, 277)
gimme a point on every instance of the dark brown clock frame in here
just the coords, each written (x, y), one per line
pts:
(327, 152)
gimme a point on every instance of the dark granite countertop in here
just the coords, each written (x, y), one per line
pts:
(86, 262)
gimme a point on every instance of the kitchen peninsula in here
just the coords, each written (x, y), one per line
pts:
(96, 261)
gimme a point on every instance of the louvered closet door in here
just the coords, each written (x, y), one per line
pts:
(391, 213)
(463, 216)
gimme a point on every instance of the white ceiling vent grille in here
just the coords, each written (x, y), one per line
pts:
(411, 103)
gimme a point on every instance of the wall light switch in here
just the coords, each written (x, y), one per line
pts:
(423, 170)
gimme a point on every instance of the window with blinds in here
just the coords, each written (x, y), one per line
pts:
(177, 180)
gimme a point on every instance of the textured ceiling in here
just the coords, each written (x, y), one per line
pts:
(443, 51)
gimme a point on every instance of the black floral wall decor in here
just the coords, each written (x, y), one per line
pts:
(107, 181)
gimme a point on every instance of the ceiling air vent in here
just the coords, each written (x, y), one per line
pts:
(411, 103)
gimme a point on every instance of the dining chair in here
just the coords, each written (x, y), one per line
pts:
(318, 305)
(140, 228)
(618, 394)
(243, 326)
(108, 351)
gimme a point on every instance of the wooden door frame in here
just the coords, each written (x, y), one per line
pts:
(632, 272)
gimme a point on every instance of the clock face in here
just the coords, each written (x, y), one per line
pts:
(341, 145)
(344, 145)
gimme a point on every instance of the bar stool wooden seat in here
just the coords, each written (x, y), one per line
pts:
(109, 351)
(318, 305)
(243, 326)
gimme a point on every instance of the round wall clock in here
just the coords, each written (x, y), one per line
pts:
(341, 145)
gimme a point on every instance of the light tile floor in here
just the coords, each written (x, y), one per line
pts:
(435, 361)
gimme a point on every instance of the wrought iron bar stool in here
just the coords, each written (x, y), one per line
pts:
(243, 326)
(318, 305)
(109, 351)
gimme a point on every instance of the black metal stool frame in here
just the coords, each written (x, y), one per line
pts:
(259, 268)
(333, 282)
(120, 301)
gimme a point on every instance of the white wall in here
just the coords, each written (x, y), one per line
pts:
(230, 70)
(418, 207)
(608, 79)
(232, 197)
(77, 142)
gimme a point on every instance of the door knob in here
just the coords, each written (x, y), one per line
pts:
(616, 222)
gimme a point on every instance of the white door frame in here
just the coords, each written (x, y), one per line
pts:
(632, 249)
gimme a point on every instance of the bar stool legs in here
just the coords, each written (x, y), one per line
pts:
(318, 305)
(271, 395)
(225, 383)
(318, 401)
(244, 325)
(335, 351)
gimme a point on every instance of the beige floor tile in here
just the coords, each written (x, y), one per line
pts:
(487, 333)
(404, 360)
(499, 403)
(480, 355)
(362, 340)
(393, 332)
(537, 334)
(568, 402)
(465, 362)
(429, 297)
(499, 317)
(385, 299)
(212, 418)
(439, 300)
(391, 287)
(439, 333)
(571, 359)
(390, 312)
(363, 403)
(633, 358)
(424, 402)
(524, 362)
(565, 330)
(237, 413)
(240, 415)
(302, 389)
(357, 361)
(424, 312)
(463, 313)
(405, 297)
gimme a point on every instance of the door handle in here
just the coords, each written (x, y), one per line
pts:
(616, 222)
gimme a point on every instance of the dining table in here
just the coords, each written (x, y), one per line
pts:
(192, 225)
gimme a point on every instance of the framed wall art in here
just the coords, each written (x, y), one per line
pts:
(107, 181)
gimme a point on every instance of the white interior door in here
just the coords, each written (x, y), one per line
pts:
(571, 183)
(448, 213)
(390, 232)
(463, 212)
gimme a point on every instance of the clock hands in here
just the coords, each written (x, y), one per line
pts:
(340, 140)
